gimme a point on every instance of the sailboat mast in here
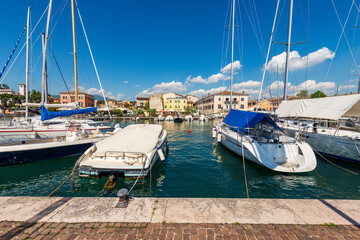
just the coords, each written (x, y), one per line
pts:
(288, 50)
(75, 51)
(44, 71)
(232, 51)
(27, 64)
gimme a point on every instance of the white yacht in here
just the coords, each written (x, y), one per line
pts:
(131, 152)
(256, 137)
(318, 122)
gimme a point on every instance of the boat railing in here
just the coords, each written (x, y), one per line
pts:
(126, 154)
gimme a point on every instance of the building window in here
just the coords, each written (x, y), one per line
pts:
(227, 99)
(80, 97)
(242, 99)
(219, 106)
(242, 106)
(219, 99)
(65, 102)
(165, 106)
(81, 104)
(170, 101)
(184, 107)
(234, 99)
(64, 97)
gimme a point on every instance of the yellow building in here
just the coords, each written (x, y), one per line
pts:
(265, 105)
(175, 104)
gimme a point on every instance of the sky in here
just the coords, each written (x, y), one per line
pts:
(142, 47)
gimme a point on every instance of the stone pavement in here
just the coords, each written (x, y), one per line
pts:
(111, 230)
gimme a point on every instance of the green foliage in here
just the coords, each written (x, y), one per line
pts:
(4, 86)
(35, 96)
(303, 93)
(52, 109)
(189, 110)
(152, 112)
(9, 100)
(147, 106)
(318, 94)
(117, 112)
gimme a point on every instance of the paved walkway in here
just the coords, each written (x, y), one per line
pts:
(178, 218)
(111, 230)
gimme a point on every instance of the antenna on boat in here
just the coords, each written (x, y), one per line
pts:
(232, 51)
(44, 68)
(27, 64)
(288, 50)
(75, 51)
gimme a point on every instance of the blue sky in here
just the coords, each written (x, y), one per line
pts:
(143, 47)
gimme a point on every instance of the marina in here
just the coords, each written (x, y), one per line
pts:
(196, 166)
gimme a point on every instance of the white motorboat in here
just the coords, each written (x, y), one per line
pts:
(257, 137)
(202, 118)
(318, 122)
(132, 152)
(188, 118)
(169, 118)
(160, 118)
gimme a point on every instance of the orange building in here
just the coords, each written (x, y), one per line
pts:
(85, 100)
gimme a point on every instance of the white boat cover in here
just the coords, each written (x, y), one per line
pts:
(136, 138)
(331, 108)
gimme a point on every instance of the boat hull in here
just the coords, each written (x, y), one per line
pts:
(43, 153)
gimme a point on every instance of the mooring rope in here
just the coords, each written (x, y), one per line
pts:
(334, 163)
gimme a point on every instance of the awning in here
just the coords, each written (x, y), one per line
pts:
(244, 120)
(332, 108)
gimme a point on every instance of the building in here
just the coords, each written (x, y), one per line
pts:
(264, 105)
(174, 102)
(54, 100)
(191, 100)
(141, 101)
(85, 100)
(111, 103)
(7, 91)
(220, 102)
(22, 89)
(156, 102)
(275, 102)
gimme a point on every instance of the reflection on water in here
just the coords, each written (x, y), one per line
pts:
(196, 166)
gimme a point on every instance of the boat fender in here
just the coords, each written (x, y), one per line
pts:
(161, 154)
(214, 133)
(219, 137)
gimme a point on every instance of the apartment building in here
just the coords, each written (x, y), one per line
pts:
(85, 100)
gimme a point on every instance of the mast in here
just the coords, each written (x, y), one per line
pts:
(232, 51)
(75, 51)
(27, 64)
(44, 97)
(288, 49)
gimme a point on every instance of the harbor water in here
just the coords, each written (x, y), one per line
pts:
(196, 167)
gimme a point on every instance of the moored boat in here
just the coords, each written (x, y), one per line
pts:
(132, 152)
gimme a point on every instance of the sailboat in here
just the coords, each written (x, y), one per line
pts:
(76, 140)
(256, 137)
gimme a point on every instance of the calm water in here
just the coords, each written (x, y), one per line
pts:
(196, 167)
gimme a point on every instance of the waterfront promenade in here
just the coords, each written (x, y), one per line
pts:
(178, 218)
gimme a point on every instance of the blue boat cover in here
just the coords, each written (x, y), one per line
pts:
(46, 114)
(244, 120)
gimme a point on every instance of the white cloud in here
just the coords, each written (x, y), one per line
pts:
(95, 91)
(169, 87)
(202, 92)
(312, 85)
(227, 68)
(298, 62)
(222, 75)
(164, 87)
(350, 86)
(125, 82)
(248, 84)
(137, 85)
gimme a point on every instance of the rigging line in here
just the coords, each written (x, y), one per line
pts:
(92, 58)
(308, 41)
(262, 51)
(57, 64)
(342, 33)
(223, 42)
(268, 51)
(53, 28)
(258, 23)
(23, 46)
(353, 40)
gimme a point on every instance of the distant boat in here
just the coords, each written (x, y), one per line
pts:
(131, 152)
(188, 118)
(202, 118)
(169, 118)
(178, 119)
(256, 137)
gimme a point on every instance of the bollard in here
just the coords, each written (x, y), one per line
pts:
(123, 198)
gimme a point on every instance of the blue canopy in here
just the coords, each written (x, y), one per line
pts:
(244, 120)
(46, 114)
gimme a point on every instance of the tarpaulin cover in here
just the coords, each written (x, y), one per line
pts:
(244, 120)
(46, 114)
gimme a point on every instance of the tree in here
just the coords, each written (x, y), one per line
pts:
(152, 112)
(35, 96)
(318, 94)
(147, 106)
(6, 99)
(4, 86)
(117, 112)
(303, 93)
